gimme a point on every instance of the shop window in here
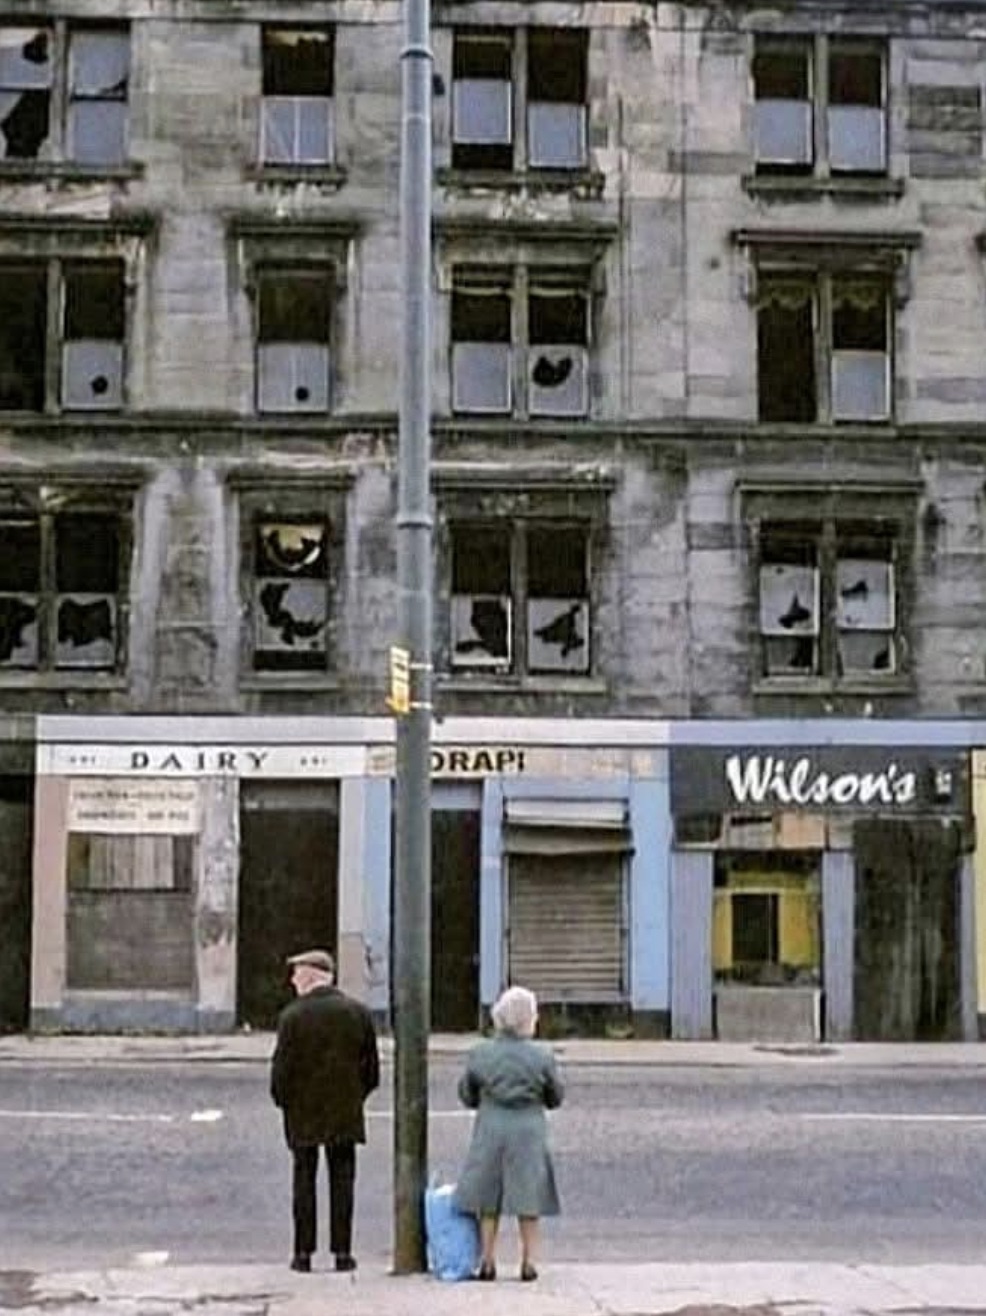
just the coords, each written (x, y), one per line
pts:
(828, 600)
(820, 106)
(297, 96)
(489, 99)
(60, 592)
(87, 69)
(520, 343)
(290, 598)
(87, 336)
(823, 348)
(294, 319)
(520, 597)
(767, 920)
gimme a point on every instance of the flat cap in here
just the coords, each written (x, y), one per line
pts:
(315, 959)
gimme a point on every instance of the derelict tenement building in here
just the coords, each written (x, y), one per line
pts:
(708, 375)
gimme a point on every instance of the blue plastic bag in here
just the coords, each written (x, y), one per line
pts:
(451, 1237)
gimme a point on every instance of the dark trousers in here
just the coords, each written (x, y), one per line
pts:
(341, 1158)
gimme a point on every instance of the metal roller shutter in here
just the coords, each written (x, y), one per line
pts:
(566, 925)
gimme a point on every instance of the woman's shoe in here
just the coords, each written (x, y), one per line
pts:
(486, 1271)
(528, 1271)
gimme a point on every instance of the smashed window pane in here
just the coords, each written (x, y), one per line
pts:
(99, 72)
(94, 332)
(293, 332)
(557, 608)
(290, 596)
(481, 602)
(87, 570)
(22, 337)
(25, 91)
(482, 101)
(558, 332)
(786, 382)
(20, 581)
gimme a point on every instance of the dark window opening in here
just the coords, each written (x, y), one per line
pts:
(295, 308)
(481, 316)
(297, 62)
(87, 570)
(855, 77)
(557, 562)
(291, 575)
(557, 588)
(25, 91)
(755, 933)
(94, 302)
(787, 389)
(859, 317)
(556, 65)
(22, 337)
(482, 108)
(782, 73)
(20, 583)
(480, 560)
(297, 84)
(557, 316)
(481, 595)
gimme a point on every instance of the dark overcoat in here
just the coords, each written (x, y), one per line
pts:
(324, 1067)
(510, 1082)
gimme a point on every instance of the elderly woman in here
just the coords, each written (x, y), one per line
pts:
(511, 1081)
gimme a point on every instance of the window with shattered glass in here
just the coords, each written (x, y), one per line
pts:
(290, 595)
(60, 586)
(558, 334)
(92, 350)
(296, 117)
(294, 328)
(491, 104)
(519, 596)
(23, 336)
(828, 599)
(26, 78)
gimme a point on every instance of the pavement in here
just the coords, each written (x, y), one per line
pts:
(777, 1288)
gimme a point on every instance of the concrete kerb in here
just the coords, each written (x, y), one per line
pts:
(763, 1289)
(256, 1047)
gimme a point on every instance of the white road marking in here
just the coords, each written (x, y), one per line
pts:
(888, 1117)
(205, 1116)
(151, 1258)
(433, 1114)
(93, 1116)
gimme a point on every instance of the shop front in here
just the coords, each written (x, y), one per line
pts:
(16, 828)
(821, 891)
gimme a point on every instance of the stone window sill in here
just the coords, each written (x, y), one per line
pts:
(75, 680)
(487, 683)
(850, 187)
(326, 177)
(821, 686)
(289, 682)
(68, 171)
(587, 183)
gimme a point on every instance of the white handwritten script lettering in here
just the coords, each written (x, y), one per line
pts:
(762, 778)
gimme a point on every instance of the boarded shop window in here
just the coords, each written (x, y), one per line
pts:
(87, 337)
(837, 83)
(488, 98)
(767, 920)
(60, 591)
(297, 105)
(538, 572)
(129, 918)
(84, 68)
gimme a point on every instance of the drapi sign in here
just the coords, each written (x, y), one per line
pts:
(861, 778)
(120, 805)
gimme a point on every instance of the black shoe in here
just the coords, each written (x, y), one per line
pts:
(344, 1261)
(302, 1261)
(528, 1272)
(486, 1271)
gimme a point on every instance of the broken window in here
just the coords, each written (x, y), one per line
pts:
(25, 91)
(294, 319)
(290, 596)
(89, 344)
(799, 85)
(481, 347)
(60, 591)
(297, 91)
(823, 348)
(557, 599)
(520, 342)
(99, 75)
(488, 98)
(92, 351)
(535, 571)
(23, 334)
(828, 599)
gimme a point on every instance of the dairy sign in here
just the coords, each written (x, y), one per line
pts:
(861, 779)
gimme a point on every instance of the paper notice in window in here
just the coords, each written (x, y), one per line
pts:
(115, 805)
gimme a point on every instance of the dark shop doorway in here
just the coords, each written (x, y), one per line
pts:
(16, 812)
(288, 896)
(454, 921)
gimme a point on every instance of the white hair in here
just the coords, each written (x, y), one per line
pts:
(516, 1011)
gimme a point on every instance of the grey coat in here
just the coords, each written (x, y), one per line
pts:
(510, 1082)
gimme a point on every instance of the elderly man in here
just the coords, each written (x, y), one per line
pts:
(325, 1065)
